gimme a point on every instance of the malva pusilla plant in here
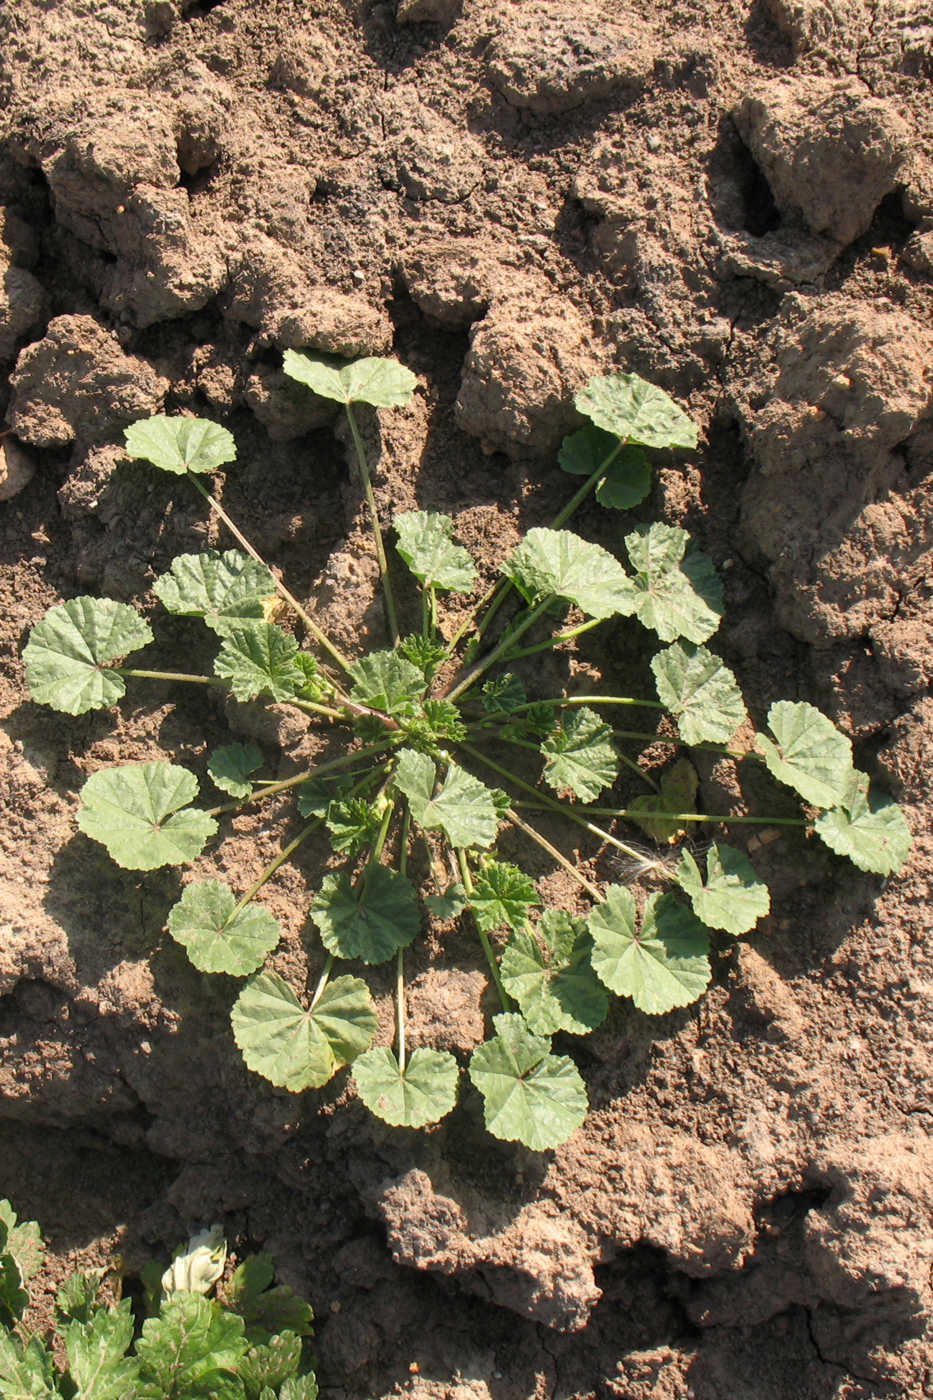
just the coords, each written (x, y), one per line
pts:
(251, 1343)
(432, 721)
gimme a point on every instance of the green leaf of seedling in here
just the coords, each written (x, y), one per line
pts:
(549, 974)
(191, 1349)
(299, 1388)
(386, 681)
(627, 478)
(298, 1049)
(352, 824)
(870, 829)
(580, 755)
(424, 1092)
(733, 898)
(260, 660)
(371, 922)
(23, 1241)
(266, 1310)
(77, 1299)
(559, 564)
(426, 653)
(632, 409)
(677, 590)
(529, 1095)
(700, 691)
(27, 1371)
(96, 1351)
(230, 766)
(384, 383)
(463, 807)
(679, 785)
(444, 720)
(140, 813)
(314, 686)
(660, 965)
(180, 444)
(502, 895)
(216, 935)
(503, 694)
(228, 590)
(810, 754)
(425, 543)
(66, 653)
(315, 797)
(270, 1363)
(449, 904)
(14, 1300)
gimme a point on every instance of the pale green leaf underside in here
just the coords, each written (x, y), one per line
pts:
(386, 681)
(502, 895)
(260, 660)
(869, 829)
(580, 755)
(96, 1351)
(230, 767)
(529, 1095)
(625, 482)
(216, 938)
(384, 383)
(227, 589)
(662, 964)
(66, 653)
(140, 813)
(677, 590)
(631, 408)
(424, 542)
(424, 1093)
(551, 977)
(809, 755)
(559, 564)
(298, 1049)
(732, 897)
(463, 807)
(371, 925)
(180, 445)
(700, 691)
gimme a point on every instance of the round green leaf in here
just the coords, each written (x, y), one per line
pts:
(180, 445)
(529, 1095)
(379, 381)
(810, 754)
(580, 755)
(386, 681)
(424, 542)
(260, 660)
(732, 898)
(677, 590)
(140, 813)
(65, 655)
(625, 482)
(463, 807)
(700, 691)
(636, 411)
(663, 964)
(550, 975)
(679, 784)
(230, 766)
(370, 923)
(217, 936)
(298, 1049)
(228, 590)
(559, 564)
(869, 829)
(423, 1093)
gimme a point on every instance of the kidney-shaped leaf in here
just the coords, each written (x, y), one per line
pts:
(298, 1049)
(422, 1093)
(228, 590)
(559, 564)
(633, 409)
(231, 765)
(382, 382)
(870, 829)
(626, 480)
(371, 922)
(180, 445)
(217, 936)
(580, 755)
(700, 691)
(386, 681)
(463, 807)
(66, 652)
(661, 964)
(677, 590)
(550, 975)
(732, 897)
(140, 813)
(529, 1095)
(424, 542)
(261, 660)
(810, 754)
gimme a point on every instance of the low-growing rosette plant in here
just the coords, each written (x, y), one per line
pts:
(431, 720)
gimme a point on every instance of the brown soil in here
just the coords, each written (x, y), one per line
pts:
(732, 199)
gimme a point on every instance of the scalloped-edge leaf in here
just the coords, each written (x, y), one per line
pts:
(23, 1241)
(67, 650)
(96, 1351)
(269, 1364)
(261, 661)
(580, 754)
(463, 807)
(502, 896)
(229, 768)
(529, 1095)
(376, 380)
(732, 897)
(424, 1092)
(679, 785)
(868, 827)
(550, 975)
(632, 409)
(179, 444)
(387, 682)
(559, 564)
(661, 962)
(809, 753)
(677, 591)
(216, 935)
(700, 692)
(449, 904)
(625, 482)
(295, 1048)
(229, 590)
(191, 1349)
(370, 922)
(425, 543)
(140, 812)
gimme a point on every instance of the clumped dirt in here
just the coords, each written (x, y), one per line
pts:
(734, 200)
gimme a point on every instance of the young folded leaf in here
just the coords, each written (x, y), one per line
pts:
(550, 974)
(298, 1049)
(228, 590)
(677, 590)
(424, 542)
(384, 383)
(66, 652)
(636, 411)
(216, 935)
(229, 768)
(870, 829)
(679, 785)
(626, 480)
(732, 898)
(503, 694)
(180, 444)
(370, 923)
(140, 813)
(352, 824)
(260, 660)
(463, 807)
(422, 1093)
(662, 964)
(529, 1095)
(700, 691)
(809, 754)
(580, 755)
(502, 895)
(266, 1366)
(559, 564)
